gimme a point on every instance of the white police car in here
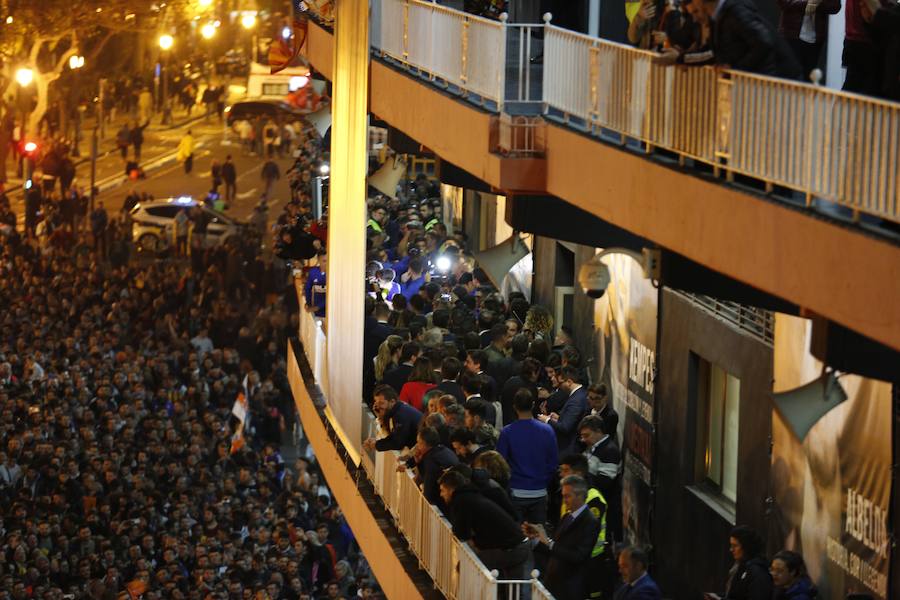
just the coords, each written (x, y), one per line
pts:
(154, 223)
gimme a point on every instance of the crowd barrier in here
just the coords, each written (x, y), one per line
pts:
(315, 344)
(821, 143)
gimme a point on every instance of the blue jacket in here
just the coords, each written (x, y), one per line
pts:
(314, 290)
(529, 447)
(411, 287)
(642, 589)
(803, 589)
(404, 423)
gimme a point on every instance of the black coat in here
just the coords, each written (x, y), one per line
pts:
(566, 562)
(478, 518)
(403, 421)
(454, 389)
(397, 376)
(751, 581)
(431, 467)
(744, 40)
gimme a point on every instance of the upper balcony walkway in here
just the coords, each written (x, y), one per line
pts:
(687, 157)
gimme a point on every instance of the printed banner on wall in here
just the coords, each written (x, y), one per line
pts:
(626, 318)
(832, 489)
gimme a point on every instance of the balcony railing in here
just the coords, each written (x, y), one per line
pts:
(821, 143)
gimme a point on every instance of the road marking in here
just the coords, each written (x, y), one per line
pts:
(246, 194)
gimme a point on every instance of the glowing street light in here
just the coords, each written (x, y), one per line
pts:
(76, 62)
(166, 41)
(24, 76)
(286, 32)
(208, 31)
(205, 3)
(248, 21)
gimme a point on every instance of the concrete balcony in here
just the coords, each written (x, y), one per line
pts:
(606, 109)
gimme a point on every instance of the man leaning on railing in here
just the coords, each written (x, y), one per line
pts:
(400, 420)
(491, 532)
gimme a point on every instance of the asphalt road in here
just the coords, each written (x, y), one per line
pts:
(165, 177)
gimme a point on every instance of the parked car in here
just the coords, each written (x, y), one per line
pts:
(273, 109)
(154, 223)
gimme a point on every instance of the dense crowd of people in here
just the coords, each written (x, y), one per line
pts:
(495, 414)
(127, 467)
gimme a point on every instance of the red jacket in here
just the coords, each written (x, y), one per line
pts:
(412, 393)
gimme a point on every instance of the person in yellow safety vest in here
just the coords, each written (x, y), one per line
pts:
(601, 574)
(377, 218)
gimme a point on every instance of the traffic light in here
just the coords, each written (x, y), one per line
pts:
(29, 152)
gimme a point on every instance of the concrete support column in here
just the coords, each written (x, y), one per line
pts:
(347, 219)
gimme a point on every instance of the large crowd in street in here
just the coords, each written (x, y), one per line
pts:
(128, 467)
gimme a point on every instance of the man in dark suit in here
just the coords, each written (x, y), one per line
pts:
(636, 582)
(397, 376)
(433, 459)
(568, 552)
(399, 418)
(605, 467)
(375, 331)
(565, 424)
(450, 368)
(599, 402)
(531, 370)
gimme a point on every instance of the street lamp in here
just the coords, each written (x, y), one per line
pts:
(24, 76)
(76, 62)
(248, 21)
(166, 42)
(208, 31)
(205, 3)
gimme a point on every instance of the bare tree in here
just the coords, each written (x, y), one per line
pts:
(43, 36)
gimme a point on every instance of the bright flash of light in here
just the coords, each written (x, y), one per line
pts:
(443, 264)
(208, 31)
(166, 41)
(248, 21)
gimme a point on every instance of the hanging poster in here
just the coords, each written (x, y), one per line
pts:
(832, 488)
(625, 318)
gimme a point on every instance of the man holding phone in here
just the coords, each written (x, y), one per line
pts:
(569, 550)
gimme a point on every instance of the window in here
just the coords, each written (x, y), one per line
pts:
(275, 89)
(166, 212)
(718, 408)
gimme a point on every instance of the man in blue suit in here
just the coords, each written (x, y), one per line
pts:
(637, 583)
(565, 424)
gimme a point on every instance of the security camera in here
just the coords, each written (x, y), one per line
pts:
(593, 277)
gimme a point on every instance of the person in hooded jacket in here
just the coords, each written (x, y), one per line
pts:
(790, 578)
(749, 577)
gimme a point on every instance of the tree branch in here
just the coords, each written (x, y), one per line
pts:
(72, 51)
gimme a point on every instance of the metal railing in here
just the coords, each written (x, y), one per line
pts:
(456, 49)
(821, 143)
(453, 566)
(758, 322)
(840, 147)
(315, 344)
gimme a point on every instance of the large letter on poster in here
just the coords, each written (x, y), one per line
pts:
(832, 489)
